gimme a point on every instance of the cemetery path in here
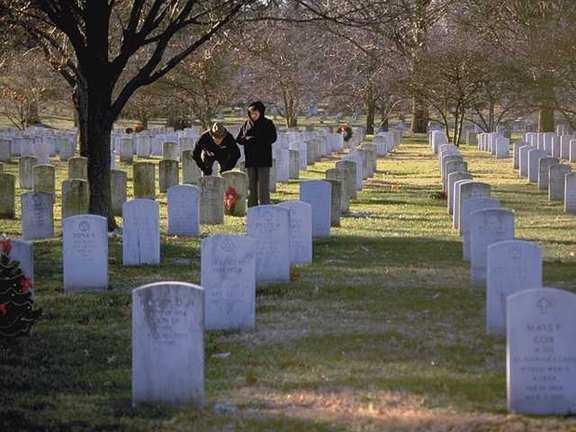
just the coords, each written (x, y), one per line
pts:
(382, 332)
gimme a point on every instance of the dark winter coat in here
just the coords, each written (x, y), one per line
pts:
(206, 152)
(257, 139)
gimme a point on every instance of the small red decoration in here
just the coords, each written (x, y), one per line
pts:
(5, 246)
(3, 309)
(25, 284)
(230, 199)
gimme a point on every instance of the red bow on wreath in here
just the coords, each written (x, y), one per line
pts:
(230, 199)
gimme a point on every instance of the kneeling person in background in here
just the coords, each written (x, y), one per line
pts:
(216, 144)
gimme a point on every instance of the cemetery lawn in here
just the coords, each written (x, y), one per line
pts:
(382, 332)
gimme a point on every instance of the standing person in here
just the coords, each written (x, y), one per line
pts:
(257, 136)
(216, 144)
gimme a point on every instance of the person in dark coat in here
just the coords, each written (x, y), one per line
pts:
(257, 136)
(216, 144)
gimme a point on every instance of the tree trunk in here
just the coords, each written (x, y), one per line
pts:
(546, 119)
(81, 107)
(32, 113)
(370, 116)
(547, 102)
(98, 128)
(419, 116)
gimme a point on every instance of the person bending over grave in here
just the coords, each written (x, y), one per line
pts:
(257, 136)
(216, 144)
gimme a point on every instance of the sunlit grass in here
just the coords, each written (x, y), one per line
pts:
(383, 331)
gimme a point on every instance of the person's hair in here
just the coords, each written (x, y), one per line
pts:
(218, 130)
(258, 106)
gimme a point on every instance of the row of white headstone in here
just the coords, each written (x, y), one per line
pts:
(169, 318)
(538, 322)
(539, 158)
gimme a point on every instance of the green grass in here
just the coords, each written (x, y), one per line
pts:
(383, 331)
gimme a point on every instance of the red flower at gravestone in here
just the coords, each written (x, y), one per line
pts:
(25, 284)
(5, 246)
(230, 199)
(3, 309)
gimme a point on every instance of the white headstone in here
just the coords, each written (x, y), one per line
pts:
(228, 266)
(512, 266)
(184, 210)
(318, 194)
(541, 353)
(141, 232)
(300, 231)
(85, 252)
(168, 344)
(487, 226)
(37, 215)
(468, 207)
(270, 226)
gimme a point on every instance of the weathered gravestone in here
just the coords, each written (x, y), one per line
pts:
(544, 172)
(357, 159)
(7, 196)
(168, 174)
(349, 167)
(44, 178)
(340, 175)
(570, 193)
(335, 202)
(541, 354)
(22, 252)
(557, 179)
(235, 192)
(468, 207)
(170, 151)
(466, 191)
(118, 190)
(141, 233)
(270, 226)
(318, 194)
(75, 197)
(300, 231)
(85, 251)
(168, 344)
(191, 174)
(212, 200)
(78, 168)
(184, 210)
(228, 266)
(37, 215)
(144, 180)
(512, 266)
(487, 226)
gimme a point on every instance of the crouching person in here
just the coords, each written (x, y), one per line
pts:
(216, 145)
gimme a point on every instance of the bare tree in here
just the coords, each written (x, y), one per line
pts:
(92, 43)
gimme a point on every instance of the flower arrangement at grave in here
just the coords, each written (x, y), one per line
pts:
(345, 130)
(17, 314)
(230, 199)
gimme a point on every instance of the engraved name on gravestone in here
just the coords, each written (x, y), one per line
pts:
(541, 353)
